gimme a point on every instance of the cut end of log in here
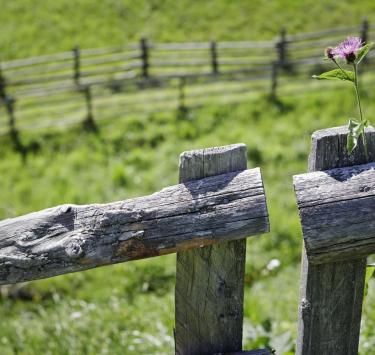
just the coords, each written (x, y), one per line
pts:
(195, 164)
(328, 149)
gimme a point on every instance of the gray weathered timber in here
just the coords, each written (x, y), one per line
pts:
(71, 238)
(210, 280)
(337, 210)
(331, 294)
(248, 352)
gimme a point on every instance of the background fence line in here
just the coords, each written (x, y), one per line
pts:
(34, 85)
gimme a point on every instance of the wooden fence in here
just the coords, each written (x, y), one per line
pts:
(336, 203)
(204, 220)
(216, 205)
(83, 84)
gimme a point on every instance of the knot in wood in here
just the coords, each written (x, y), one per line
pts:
(74, 249)
(305, 305)
(224, 289)
(207, 209)
(364, 188)
(28, 238)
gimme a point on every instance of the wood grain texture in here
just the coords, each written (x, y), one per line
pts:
(248, 352)
(331, 294)
(210, 280)
(337, 210)
(71, 238)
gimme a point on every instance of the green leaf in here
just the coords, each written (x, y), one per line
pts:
(336, 74)
(363, 52)
(355, 129)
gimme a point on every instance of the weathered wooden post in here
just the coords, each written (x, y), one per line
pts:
(144, 57)
(214, 60)
(333, 260)
(76, 65)
(210, 280)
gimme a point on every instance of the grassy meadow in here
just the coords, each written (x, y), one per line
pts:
(129, 308)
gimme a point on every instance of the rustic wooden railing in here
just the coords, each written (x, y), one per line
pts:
(61, 87)
(217, 204)
(336, 201)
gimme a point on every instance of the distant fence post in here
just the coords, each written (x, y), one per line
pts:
(274, 74)
(282, 50)
(181, 95)
(144, 57)
(210, 280)
(331, 294)
(364, 35)
(2, 85)
(89, 122)
(76, 65)
(214, 60)
(364, 30)
(9, 105)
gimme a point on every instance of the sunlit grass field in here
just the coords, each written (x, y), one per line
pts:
(129, 308)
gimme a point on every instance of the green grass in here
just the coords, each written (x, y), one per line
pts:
(33, 28)
(129, 308)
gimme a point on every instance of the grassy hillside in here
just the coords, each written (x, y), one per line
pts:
(32, 28)
(129, 308)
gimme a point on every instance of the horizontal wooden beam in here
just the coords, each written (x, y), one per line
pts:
(337, 210)
(249, 352)
(71, 238)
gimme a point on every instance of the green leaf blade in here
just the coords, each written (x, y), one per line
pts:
(355, 129)
(363, 52)
(336, 74)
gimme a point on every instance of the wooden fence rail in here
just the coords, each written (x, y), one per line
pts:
(217, 204)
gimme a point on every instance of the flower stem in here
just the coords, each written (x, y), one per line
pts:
(360, 109)
(339, 66)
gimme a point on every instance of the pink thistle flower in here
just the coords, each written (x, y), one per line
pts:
(348, 49)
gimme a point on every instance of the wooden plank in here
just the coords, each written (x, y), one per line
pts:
(249, 352)
(210, 280)
(130, 49)
(246, 44)
(329, 32)
(180, 63)
(71, 238)
(36, 60)
(113, 58)
(184, 46)
(337, 212)
(331, 294)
